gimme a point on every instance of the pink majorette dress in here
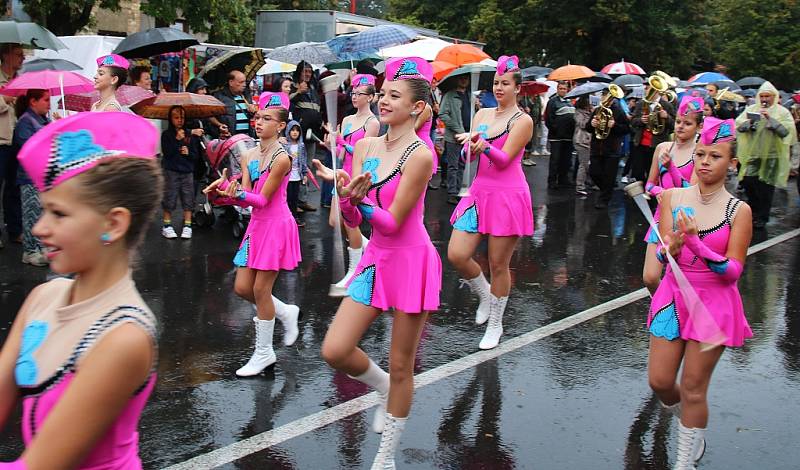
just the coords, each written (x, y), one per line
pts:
(400, 267)
(499, 201)
(56, 337)
(673, 176)
(272, 240)
(348, 140)
(668, 317)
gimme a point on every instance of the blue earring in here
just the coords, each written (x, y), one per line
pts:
(105, 238)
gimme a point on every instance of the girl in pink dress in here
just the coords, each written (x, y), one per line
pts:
(272, 240)
(400, 269)
(353, 129)
(673, 168)
(499, 202)
(82, 353)
(708, 232)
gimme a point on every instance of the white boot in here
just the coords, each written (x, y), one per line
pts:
(288, 315)
(494, 330)
(480, 287)
(378, 379)
(390, 439)
(674, 410)
(263, 356)
(355, 257)
(691, 447)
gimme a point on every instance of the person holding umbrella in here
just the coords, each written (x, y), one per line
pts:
(12, 57)
(112, 71)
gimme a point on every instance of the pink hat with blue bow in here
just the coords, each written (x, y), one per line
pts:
(406, 68)
(270, 100)
(717, 130)
(113, 60)
(507, 63)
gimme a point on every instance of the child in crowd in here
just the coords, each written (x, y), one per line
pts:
(297, 151)
(179, 149)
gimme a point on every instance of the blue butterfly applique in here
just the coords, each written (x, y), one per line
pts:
(481, 130)
(723, 131)
(253, 169)
(75, 147)
(243, 253)
(26, 369)
(665, 323)
(347, 128)
(510, 64)
(408, 68)
(371, 165)
(468, 221)
(274, 100)
(366, 210)
(362, 285)
(689, 211)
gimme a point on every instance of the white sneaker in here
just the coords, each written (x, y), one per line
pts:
(186, 233)
(35, 258)
(169, 232)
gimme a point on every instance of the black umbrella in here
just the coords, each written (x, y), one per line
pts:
(35, 65)
(586, 89)
(154, 42)
(729, 84)
(248, 61)
(750, 82)
(485, 76)
(628, 80)
(535, 72)
(599, 77)
(749, 92)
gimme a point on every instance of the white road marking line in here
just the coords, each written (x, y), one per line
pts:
(281, 434)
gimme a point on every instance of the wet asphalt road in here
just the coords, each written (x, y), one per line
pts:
(576, 399)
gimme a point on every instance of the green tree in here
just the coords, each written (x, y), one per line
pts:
(65, 17)
(449, 18)
(760, 38)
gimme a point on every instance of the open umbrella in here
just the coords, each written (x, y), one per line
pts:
(570, 72)
(708, 77)
(215, 72)
(317, 53)
(600, 77)
(56, 82)
(749, 92)
(372, 39)
(196, 106)
(355, 59)
(628, 80)
(155, 41)
(535, 72)
(127, 95)
(533, 88)
(273, 66)
(485, 76)
(623, 68)
(586, 89)
(29, 34)
(750, 82)
(37, 64)
(461, 54)
(442, 68)
(425, 48)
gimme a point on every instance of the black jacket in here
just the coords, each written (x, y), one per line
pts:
(229, 118)
(559, 117)
(612, 145)
(173, 160)
(638, 126)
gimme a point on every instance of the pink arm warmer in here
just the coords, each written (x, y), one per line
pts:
(730, 269)
(380, 219)
(497, 156)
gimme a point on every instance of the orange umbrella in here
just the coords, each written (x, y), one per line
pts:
(460, 54)
(570, 72)
(442, 68)
(195, 106)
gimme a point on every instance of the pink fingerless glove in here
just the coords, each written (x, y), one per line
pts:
(380, 219)
(497, 155)
(677, 178)
(15, 465)
(342, 144)
(728, 268)
(350, 214)
(653, 189)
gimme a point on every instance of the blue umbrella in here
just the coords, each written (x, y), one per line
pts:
(709, 77)
(385, 35)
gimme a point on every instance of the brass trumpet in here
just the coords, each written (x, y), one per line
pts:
(660, 84)
(604, 114)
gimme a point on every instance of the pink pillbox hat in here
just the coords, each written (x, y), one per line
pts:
(404, 68)
(717, 130)
(113, 60)
(269, 100)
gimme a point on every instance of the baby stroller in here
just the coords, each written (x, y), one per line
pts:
(224, 154)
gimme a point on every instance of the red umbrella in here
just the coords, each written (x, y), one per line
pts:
(532, 88)
(50, 80)
(195, 106)
(127, 95)
(623, 68)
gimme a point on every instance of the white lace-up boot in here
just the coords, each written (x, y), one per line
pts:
(390, 439)
(263, 355)
(288, 315)
(480, 287)
(691, 447)
(491, 338)
(378, 379)
(354, 254)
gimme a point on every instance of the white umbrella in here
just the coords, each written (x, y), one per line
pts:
(425, 48)
(274, 66)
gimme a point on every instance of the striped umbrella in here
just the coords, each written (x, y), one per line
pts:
(623, 68)
(372, 39)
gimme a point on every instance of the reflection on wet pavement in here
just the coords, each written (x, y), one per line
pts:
(577, 399)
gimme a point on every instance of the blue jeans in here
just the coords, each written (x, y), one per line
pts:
(455, 167)
(12, 205)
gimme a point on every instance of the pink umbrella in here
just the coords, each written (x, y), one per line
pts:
(623, 68)
(127, 95)
(56, 82)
